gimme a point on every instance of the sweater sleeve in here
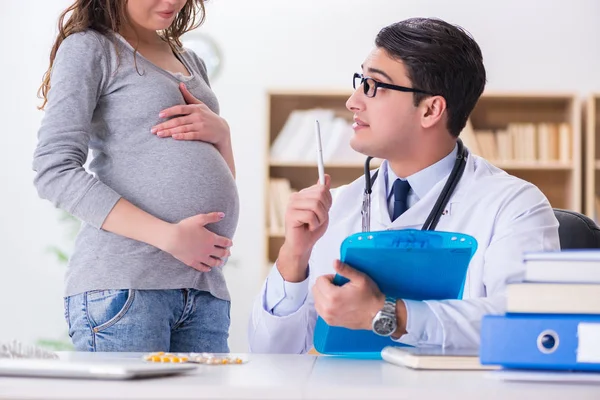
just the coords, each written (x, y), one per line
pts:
(78, 76)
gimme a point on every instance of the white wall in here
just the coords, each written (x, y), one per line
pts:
(537, 45)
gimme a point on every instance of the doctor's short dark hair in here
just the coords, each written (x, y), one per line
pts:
(440, 58)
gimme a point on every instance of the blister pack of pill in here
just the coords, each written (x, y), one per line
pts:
(196, 358)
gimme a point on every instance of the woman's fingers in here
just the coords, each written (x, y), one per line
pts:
(177, 130)
(212, 262)
(220, 253)
(200, 266)
(191, 135)
(221, 241)
(183, 109)
(173, 123)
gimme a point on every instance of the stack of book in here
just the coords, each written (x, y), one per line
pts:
(552, 319)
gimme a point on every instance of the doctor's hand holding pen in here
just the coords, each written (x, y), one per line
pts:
(306, 220)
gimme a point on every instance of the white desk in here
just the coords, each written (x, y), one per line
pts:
(296, 377)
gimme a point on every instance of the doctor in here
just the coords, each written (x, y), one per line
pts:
(411, 100)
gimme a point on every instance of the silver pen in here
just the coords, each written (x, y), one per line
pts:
(320, 165)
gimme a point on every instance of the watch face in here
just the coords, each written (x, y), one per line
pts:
(384, 325)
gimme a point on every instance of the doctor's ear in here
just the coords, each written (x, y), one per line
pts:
(433, 108)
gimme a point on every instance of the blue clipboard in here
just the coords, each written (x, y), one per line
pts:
(406, 264)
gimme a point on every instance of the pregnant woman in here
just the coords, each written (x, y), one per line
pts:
(159, 204)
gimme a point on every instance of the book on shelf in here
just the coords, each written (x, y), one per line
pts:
(548, 142)
(505, 145)
(295, 143)
(486, 140)
(279, 194)
(467, 135)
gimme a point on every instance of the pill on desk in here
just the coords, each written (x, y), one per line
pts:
(204, 358)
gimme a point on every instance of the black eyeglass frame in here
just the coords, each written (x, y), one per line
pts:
(378, 84)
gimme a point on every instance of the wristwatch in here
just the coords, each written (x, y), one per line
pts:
(384, 322)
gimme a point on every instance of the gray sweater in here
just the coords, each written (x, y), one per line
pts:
(104, 99)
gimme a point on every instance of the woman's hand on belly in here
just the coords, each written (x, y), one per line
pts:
(193, 121)
(191, 243)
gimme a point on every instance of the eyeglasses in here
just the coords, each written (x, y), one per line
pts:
(370, 86)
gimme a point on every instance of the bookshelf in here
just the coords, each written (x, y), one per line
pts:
(592, 157)
(559, 178)
(557, 171)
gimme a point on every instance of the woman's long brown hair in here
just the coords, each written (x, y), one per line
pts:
(105, 16)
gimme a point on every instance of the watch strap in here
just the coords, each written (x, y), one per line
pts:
(389, 307)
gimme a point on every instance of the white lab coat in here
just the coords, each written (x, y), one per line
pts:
(506, 215)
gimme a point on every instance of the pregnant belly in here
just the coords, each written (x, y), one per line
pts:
(175, 181)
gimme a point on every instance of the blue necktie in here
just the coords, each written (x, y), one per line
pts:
(400, 190)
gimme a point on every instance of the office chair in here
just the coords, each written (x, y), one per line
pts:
(576, 231)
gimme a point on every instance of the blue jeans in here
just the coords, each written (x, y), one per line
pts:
(178, 320)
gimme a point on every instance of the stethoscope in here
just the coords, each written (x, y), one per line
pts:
(440, 204)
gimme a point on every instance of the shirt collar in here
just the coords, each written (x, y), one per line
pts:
(423, 181)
